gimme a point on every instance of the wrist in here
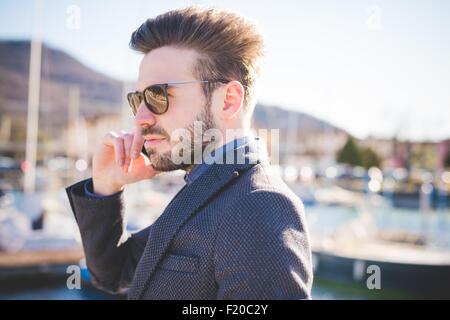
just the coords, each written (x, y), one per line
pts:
(105, 189)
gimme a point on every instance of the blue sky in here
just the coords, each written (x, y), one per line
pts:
(371, 67)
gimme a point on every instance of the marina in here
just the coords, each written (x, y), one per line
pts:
(360, 231)
(364, 145)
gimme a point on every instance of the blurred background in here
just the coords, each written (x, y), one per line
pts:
(358, 89)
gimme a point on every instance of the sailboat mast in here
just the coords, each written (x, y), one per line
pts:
(33, 101)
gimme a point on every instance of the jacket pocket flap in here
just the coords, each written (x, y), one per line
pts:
(179, 263)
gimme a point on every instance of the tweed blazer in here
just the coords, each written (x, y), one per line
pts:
(236, 232)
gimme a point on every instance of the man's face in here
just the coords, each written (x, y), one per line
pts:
(187, 104)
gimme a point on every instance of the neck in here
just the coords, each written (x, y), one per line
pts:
(229, 135)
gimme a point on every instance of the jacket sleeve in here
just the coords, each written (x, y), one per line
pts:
(262, 249)
(111, 254)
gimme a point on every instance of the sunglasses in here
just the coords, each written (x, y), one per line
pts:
(156, 97)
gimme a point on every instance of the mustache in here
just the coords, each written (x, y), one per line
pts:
(154, 130)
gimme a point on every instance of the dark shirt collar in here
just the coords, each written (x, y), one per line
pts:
(216, 156)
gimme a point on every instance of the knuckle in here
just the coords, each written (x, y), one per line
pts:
(110, 134)
(119, 140)
(125, 134)
(109, 138)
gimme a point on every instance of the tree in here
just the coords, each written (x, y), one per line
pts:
(354, 155)
(350, 153)
(370, 158)
(447, 159)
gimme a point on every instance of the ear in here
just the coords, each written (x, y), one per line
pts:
(233, 100)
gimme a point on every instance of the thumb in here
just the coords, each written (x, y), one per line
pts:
(143, 167)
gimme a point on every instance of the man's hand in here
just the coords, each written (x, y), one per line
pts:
(118, 161)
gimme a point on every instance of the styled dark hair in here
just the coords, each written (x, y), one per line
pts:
(229, 45)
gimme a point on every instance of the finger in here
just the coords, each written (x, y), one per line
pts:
(143, 165)
(110, 141)
(109, 138)
(138, 142)
(127, 141)
(119, 151)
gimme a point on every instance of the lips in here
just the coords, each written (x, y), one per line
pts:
(153, 141)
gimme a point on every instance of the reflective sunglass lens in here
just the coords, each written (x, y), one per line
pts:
(134, 101)
(156, 99)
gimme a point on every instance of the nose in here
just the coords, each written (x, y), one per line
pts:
(144, 117)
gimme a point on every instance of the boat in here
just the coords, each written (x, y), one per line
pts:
(35, 250)
(408, 267)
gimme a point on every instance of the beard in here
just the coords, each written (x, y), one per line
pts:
(163, 161)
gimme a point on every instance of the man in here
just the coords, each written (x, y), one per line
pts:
(235, 230)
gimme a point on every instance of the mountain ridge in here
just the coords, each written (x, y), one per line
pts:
(100, 94)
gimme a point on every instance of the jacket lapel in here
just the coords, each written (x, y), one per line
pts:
(187, 202)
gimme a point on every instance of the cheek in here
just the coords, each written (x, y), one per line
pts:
(195, 101)
(182, 112)
(174, 121)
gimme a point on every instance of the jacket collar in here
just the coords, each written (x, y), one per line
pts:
(188, 201)
(216, 155)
